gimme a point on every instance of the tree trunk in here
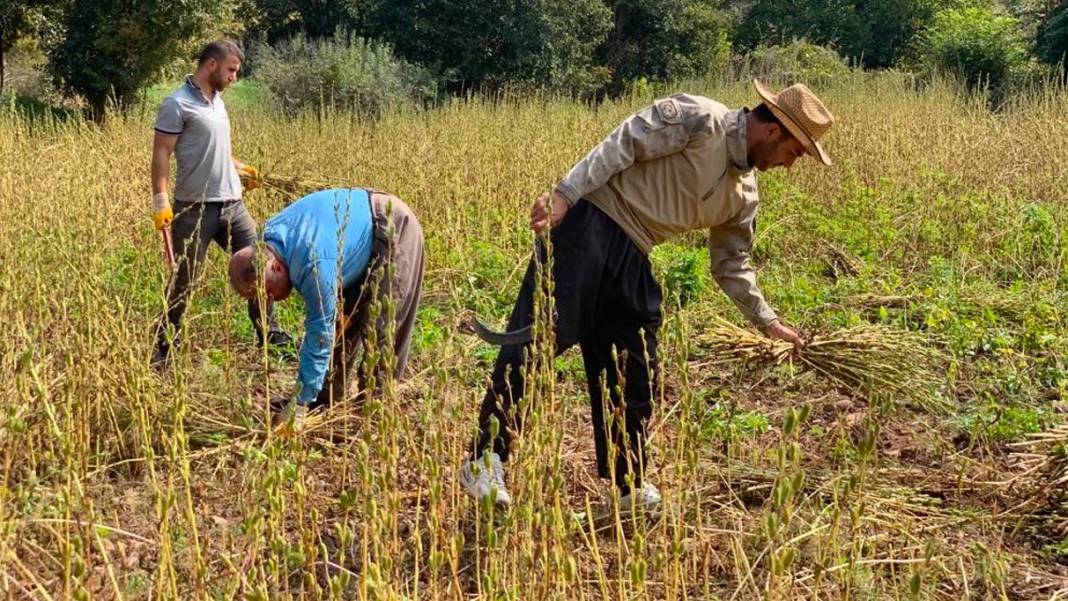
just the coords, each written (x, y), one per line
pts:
(98, 109)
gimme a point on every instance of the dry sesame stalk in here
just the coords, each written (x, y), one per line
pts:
(293, 187)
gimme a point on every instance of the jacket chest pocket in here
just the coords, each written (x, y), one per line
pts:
(723, 201)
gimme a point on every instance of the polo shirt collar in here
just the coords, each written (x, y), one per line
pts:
(189, 81)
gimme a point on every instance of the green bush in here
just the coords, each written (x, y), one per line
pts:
(272, 21)
(1052, 40)
(976, 44)
(344, 72)
(873, 33)
(114, 48)
(664, 40)
(797, 61)
(25, 73)
(490, 46)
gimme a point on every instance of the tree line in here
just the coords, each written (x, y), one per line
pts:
(108, 50)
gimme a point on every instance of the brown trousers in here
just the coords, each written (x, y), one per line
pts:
(394, 275)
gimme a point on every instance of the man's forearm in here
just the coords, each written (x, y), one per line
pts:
(315, 350)
(161, 165)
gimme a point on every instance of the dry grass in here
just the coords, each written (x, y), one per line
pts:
(292, 186)
(117, 483)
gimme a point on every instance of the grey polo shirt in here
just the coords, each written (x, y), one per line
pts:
(206, 170)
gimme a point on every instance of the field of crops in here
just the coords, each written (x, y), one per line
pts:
(939, 218)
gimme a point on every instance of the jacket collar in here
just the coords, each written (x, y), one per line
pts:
(737, 139)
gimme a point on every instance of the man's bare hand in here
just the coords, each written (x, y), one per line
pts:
(291, 420)
(539, 213)
(781, 332)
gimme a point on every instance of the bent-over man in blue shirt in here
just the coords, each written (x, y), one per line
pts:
(333, 246)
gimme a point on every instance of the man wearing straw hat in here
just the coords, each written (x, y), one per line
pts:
(683, 163)
(193, 125)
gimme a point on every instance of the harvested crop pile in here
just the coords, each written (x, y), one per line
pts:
(882, 363)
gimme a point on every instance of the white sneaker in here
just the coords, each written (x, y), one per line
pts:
(646, 498)
(484, 477)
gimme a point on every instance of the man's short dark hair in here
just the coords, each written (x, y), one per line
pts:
(220, 50)
(243, 277)
(764, 115)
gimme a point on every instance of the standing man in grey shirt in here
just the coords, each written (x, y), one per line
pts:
(193, 125)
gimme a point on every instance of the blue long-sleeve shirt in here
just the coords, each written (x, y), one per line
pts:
(325, 240)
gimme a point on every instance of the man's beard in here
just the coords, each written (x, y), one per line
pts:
(219, 81)
(758, 158)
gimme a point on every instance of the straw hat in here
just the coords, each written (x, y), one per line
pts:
(802, 113)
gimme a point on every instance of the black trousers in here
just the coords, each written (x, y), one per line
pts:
(606, 297)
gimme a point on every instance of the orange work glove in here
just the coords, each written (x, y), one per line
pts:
(162, 216)
(250, 176)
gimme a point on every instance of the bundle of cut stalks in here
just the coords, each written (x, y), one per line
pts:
(1047, 451)
(741, 476)
(1041, 466)
(882, 363)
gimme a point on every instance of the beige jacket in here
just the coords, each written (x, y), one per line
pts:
(676, 166)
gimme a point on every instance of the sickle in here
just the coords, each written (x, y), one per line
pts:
(512, 338)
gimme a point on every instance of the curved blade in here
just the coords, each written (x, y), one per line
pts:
(520, 336)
